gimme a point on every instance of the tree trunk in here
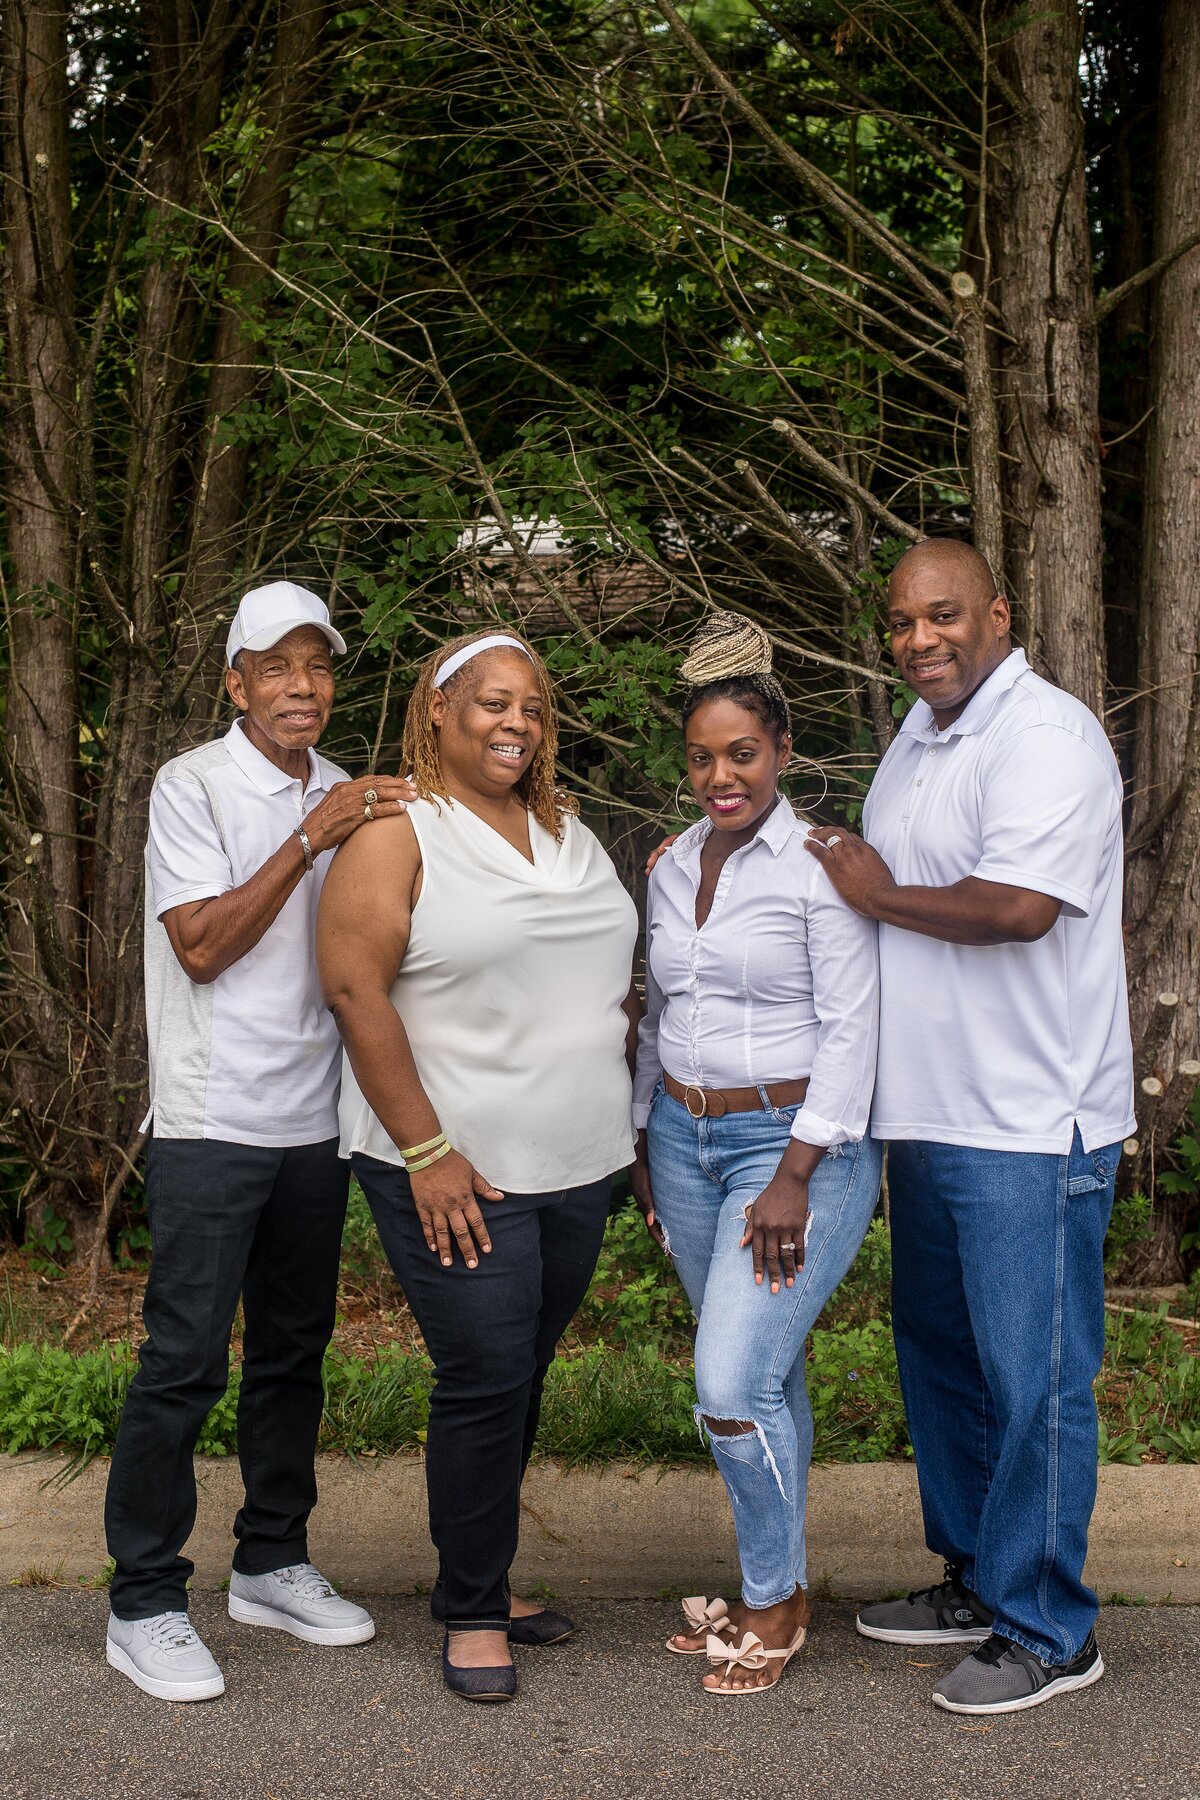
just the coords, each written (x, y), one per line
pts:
(41, 476)
(1042, 262)
(218, 526)
(1164, 881)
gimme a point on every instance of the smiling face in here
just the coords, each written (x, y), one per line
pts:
(285, 695)
(733, 763)
(949, 627)
(488, 722)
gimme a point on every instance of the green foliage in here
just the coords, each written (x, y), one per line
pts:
(48, 1248)
(1185, 1177)
(635, 1297)
(858, 1415)
(1149, 1391)
(1130, 1225)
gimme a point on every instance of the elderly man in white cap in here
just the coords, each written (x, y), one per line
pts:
(244, 1188)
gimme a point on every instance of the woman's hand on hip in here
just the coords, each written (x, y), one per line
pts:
(776, 1223)
(447, 1196)
(643, 1193)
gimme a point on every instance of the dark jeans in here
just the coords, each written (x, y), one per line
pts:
(226, 1220)
(491, 1332)
(998, 1313)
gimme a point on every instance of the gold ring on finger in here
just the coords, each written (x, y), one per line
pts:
(367, 813)
(371, 797)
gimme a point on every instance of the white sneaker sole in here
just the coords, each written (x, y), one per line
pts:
(210, 1689)
(1066, 1684)
(249, 1612)
(922, 1638)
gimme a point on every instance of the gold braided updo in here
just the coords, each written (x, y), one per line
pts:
(730, 659)
(536, 787)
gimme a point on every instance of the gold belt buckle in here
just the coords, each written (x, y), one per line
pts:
(687, 1101)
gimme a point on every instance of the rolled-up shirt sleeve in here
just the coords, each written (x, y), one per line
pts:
(648, 1066)
(843, 955)
(187, 858)
(1048, 809)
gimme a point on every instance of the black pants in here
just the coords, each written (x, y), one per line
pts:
(491, 1332)
(226, 1220)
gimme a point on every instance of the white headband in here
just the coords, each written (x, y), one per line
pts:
(454, 663)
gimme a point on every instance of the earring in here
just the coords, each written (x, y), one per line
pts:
(791, 766)
(679, 803)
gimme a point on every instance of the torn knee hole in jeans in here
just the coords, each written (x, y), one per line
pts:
(727, 1427)
(725, 1435)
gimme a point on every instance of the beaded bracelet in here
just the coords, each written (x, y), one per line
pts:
(420, 1149)
(413, 1167)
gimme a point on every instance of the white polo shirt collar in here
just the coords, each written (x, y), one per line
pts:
(267, 776)
(979, 708)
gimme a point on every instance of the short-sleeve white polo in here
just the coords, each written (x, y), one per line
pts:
(1005, 1046)
(252, 1057)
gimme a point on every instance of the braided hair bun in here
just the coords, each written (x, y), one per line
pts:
(726, 644)
(730, 659)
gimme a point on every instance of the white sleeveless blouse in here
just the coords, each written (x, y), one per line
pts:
(510, 992)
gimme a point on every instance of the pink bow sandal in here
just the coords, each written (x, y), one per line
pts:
(710, 1617)
(750, 1654)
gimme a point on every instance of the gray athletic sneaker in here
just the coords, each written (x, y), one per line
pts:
(300, 1600)
(1003, 1677)
(164, 1656)
(946, 1614)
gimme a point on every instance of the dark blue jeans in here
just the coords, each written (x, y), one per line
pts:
(998, 1311)
(491, 1332)
(226, 1221)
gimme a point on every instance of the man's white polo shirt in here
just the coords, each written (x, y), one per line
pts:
(1008, 1046)
(252, 1057)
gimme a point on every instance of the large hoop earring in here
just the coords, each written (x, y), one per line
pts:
(679, 803)
(793, 764)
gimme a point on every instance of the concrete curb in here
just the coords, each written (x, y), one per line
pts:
(617, 1532)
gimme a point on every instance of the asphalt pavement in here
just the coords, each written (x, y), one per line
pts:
(608, 1716)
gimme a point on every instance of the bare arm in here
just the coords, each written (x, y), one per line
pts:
(209, 936)
(970, 911)
(362, 935)
(633, 1009)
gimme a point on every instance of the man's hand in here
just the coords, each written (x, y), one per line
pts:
(661, 850)
(859, 873)
(344, 808)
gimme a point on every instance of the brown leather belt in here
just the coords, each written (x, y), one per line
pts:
(713, 1103)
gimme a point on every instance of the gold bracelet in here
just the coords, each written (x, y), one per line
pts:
(413, 1167)
(419, 1149)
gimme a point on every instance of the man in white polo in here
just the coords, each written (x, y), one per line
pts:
(244, 1188)
(993, 863)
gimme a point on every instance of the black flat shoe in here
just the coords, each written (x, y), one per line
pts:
(540, 1628)
(478, 1684)
(537, 1629)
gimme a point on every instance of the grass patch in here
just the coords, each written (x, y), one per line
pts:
(623, 1386)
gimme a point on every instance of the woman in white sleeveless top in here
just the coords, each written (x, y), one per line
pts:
(477, 955)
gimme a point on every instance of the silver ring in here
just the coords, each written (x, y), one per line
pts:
(831, 841)
(787, 1246)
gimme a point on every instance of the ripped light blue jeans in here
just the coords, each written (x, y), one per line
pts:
(750, 1342)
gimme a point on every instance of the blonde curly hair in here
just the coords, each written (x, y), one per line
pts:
(536, 788)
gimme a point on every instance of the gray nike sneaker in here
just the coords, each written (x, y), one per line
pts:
(1002, 1677)
(300, 1600)
(946, 1614)
(164, 1656)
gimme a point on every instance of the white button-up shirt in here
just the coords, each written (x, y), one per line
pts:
(252, 1057)
(1005, 1046)
(781, 981)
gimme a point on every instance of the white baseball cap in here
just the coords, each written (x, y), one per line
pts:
(267, 614)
